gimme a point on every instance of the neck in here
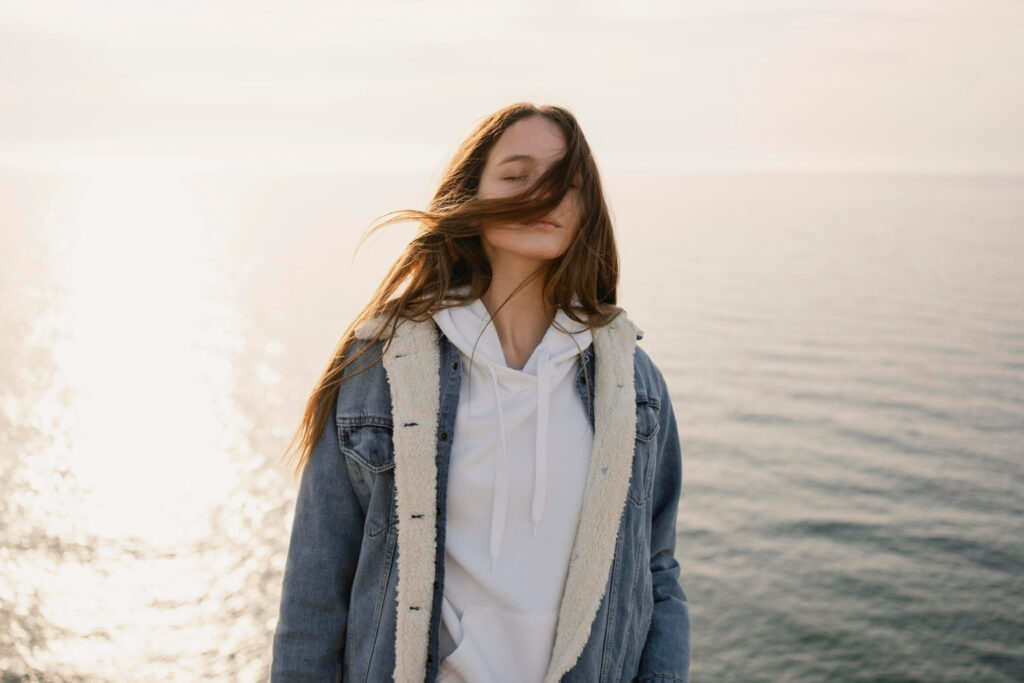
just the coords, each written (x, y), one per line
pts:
(524, 319)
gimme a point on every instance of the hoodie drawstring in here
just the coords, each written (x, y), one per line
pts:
(540, 479)
(499, 500)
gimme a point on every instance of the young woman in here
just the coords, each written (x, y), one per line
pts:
(490, 466)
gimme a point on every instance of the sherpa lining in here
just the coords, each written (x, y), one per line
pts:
(412, 364)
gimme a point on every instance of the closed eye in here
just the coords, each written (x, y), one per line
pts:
(574, 186)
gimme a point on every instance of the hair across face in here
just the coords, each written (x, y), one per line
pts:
(527, 149)
(521, 165)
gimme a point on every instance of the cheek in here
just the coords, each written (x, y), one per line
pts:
(573, 211)
(573, 218)
(491, 188)
(570, 234)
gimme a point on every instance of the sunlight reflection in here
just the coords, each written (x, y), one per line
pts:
(142, 357)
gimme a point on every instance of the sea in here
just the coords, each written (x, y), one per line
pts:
(844, 352)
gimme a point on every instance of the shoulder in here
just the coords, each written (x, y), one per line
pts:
(623, 335)
(644, 363)
(649, 378)
(364, 391)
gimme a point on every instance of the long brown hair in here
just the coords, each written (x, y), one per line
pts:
(447, 253)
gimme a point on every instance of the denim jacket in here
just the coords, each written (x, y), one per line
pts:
(361, 597)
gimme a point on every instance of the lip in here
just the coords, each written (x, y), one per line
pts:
(544, 225)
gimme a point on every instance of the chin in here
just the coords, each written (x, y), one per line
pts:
(539, 247)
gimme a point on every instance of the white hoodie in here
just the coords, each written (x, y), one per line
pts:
(507, 540)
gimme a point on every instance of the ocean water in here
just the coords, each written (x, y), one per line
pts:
(845, 354)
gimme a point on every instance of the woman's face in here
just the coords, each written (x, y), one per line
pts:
(518, 158)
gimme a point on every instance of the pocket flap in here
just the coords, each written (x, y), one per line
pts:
(646, 418)
(367, 440)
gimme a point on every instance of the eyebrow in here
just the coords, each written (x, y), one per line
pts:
(516, 157)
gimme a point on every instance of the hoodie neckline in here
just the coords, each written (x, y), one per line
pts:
(554, 347)
(553, 358)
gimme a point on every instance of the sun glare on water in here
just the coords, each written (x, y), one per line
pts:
(147, 355)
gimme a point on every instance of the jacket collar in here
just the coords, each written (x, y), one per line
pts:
(412, 364)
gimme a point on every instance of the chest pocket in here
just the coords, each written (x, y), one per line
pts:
(369, 450)
(641, 482)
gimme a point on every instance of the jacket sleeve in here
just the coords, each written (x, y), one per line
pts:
(326, 535)
(666, 654)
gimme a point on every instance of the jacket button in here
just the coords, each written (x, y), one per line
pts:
(430, 658)
(455, 366)
(444, 436)
(437, 584)
(438, 510)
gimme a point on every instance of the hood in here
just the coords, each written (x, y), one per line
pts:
(554, 357)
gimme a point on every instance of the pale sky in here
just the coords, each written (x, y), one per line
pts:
(893, 85)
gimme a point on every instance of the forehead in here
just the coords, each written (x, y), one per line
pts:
(536, 136)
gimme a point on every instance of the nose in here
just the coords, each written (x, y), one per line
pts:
(560, 212)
